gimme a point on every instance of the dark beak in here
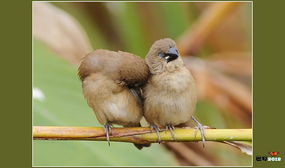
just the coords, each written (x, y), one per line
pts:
(171, 55)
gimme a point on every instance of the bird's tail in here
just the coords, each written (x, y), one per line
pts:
(140, 146)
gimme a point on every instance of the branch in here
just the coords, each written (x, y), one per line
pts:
(138, 135)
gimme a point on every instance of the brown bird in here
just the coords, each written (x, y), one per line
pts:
(170, 93)
(111, 84)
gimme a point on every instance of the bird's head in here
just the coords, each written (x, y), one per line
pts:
(163, 55)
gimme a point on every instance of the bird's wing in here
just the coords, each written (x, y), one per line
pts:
(135, 73)
(133, 69)
(100, 61)
(118, 66)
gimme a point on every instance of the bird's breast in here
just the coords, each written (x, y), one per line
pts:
(177, 81)
(170, 98)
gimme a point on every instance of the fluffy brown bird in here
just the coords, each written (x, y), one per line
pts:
(170, 94)
(111, 84)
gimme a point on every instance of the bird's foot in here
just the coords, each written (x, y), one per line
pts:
(201, 128)
(107, 129)
(157, 130)
(171, 128)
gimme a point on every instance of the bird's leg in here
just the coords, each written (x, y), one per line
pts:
(201, 128)
(171, 128)
(157, 130)
(107, 129)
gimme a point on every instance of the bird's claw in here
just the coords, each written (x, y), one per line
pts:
(157, 130)
(107, 130)
(201, 128)
(171, 129)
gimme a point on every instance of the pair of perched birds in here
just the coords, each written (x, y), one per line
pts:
(121, 88)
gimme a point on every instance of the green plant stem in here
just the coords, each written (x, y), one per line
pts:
(138, 134)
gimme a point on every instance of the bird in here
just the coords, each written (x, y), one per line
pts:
(170, 94)
(111, 84)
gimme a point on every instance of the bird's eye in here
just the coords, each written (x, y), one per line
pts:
(161, 54)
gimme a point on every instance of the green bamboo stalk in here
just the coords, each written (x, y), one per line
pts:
(138, 134)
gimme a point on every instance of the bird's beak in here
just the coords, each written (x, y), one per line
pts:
(171, 55)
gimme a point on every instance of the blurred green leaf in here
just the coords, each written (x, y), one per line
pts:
(175, 17)
(209, 115)
(130, 29)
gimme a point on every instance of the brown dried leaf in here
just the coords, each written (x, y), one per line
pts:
(60, 31)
